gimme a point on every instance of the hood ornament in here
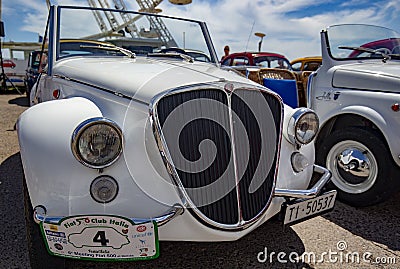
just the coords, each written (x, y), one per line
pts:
(229, 88)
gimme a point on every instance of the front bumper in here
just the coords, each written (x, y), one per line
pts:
(40, 215)
(40, 212)
(310, 193)
(300, 205)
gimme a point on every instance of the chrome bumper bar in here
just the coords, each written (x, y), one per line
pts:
(40, 215)
(40, 212)
(310, 193)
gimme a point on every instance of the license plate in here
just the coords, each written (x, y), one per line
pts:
(100, 237)
(310, 207)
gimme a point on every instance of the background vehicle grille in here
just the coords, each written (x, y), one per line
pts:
(224, 150)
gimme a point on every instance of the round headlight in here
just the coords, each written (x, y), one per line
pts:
(97, 142)
(303, 126)
(104, 189)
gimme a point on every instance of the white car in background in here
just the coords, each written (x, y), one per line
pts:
(123, 149)
(356, 94)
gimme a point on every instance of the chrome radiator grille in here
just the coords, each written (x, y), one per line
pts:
(223, 148)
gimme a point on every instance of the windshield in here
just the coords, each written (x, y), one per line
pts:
(355, 41)
(271, 61)
(91, 31)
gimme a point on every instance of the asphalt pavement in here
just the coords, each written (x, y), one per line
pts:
(346, 237)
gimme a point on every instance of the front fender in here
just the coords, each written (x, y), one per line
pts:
(385, 124)
(44, 134)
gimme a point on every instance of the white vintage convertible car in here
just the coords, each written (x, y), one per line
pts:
(150, 140)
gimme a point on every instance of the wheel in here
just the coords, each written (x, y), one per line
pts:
(363, 171)
(38, 256)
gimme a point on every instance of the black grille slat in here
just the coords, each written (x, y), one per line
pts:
(246, 105)
(244, 128)
(222, 210)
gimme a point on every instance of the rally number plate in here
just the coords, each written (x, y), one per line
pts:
(101, 238)
(311, 207)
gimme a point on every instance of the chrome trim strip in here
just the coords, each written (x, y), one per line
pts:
(210, 44)
(310, 101)
(40, 215)
(234, 157)
(101, 89)
(310, 193)
(165, 155)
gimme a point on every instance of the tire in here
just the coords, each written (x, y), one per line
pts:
(38, 256)
(363, 171)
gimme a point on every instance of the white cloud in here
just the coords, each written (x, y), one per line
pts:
(12, 7)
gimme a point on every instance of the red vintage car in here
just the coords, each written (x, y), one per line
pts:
(258, 59)
(376, 49)
(8, 63)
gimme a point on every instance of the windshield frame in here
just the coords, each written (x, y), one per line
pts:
(54, 26)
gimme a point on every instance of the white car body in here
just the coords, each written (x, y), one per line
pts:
(358, 89)
(130, 91)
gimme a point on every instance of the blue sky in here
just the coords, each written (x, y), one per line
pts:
(292, 27)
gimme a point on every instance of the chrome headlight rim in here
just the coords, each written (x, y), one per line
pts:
(296, 117)
(82, 127)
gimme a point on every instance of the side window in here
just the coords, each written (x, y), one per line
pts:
(311, 66)
(261, 61)
(240, 61)
(18, 55)
(296, 66)
(280, 63)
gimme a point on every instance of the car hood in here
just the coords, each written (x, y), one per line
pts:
(140, 78)
(377, 76)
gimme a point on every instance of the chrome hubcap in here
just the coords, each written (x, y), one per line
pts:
(353, 166)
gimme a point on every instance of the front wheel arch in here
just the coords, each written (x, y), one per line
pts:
(342, 121)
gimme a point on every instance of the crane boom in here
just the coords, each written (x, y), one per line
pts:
(156, 23)
(128, 22)
(127, 19)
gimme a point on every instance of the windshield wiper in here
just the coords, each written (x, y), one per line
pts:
(113, 48)
(185, 57)
(372, 51)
